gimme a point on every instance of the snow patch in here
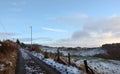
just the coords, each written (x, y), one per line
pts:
(38, 55)
(24, 54)
(2, 67)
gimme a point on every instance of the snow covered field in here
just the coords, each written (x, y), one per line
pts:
(80, 52)
(84, 52)
(92, 52)
(102, 66)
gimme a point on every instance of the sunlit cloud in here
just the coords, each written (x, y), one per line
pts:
(94, 33)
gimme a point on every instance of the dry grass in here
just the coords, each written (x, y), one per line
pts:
(35, 48)
(8, 56)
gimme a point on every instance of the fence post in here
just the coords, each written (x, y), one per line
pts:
(69, 62)
(58, 57)
(86, 66)
(46, 54)
(66, 71)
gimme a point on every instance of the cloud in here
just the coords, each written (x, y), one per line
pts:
(53, 29)
(80, 34)
(109, 24)
(86, 41)
(35, 39)
(94, 33)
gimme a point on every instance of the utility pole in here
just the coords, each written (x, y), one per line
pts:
(31, 36)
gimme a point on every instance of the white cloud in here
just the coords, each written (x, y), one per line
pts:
(94, 33)
(35, 39)
(53, 29)
(108, 24)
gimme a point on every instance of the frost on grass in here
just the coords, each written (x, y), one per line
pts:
(102, 66)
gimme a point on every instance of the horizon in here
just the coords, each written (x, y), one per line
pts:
(56, 46)
(68, 23)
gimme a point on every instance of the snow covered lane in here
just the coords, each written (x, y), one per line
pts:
(30, 66)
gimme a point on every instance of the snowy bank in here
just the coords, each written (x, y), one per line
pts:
(60, 67)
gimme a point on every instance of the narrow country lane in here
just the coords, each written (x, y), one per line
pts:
(29, 64)
(47, 69)
(20, 69)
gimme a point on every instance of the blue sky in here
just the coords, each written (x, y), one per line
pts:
(69, 23)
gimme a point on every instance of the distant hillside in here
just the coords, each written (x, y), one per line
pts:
(113, 51)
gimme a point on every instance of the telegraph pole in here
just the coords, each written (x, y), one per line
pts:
(31, 36)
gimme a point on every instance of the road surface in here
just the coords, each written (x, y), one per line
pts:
(33, 65)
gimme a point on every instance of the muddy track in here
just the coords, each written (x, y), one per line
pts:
(20, 68)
